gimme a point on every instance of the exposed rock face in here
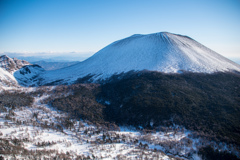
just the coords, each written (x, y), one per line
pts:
(14, 72)
(12, 64)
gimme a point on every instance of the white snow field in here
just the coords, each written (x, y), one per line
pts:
(6, 79)
(28, 75)
(163, 52)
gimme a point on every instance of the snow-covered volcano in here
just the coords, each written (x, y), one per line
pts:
(163, 52)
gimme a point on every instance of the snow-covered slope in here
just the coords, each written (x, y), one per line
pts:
(12, 64)
(6, 79)
(54, 65)
(28, 75)
(14, 71)
(163, 52)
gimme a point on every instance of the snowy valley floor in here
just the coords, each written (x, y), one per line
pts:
(42, 132)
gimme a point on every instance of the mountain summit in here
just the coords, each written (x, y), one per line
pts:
(162, 52)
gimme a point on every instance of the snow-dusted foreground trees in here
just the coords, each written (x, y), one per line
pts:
(29, 128)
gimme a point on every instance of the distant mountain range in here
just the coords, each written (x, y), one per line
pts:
(50, 56)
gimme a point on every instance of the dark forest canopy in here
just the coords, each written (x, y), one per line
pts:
(206, 103)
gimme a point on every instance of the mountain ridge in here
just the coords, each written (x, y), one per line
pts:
(14, 72)
(12, 64)
(162, 52)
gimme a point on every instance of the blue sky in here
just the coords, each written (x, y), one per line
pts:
(86, 26)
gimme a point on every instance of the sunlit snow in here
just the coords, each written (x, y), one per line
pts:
(163, 52)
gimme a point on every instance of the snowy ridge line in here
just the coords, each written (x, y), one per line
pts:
(163, 52)
(12, 64)
(10, 68)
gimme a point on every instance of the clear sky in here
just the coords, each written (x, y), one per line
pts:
(32, 26)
